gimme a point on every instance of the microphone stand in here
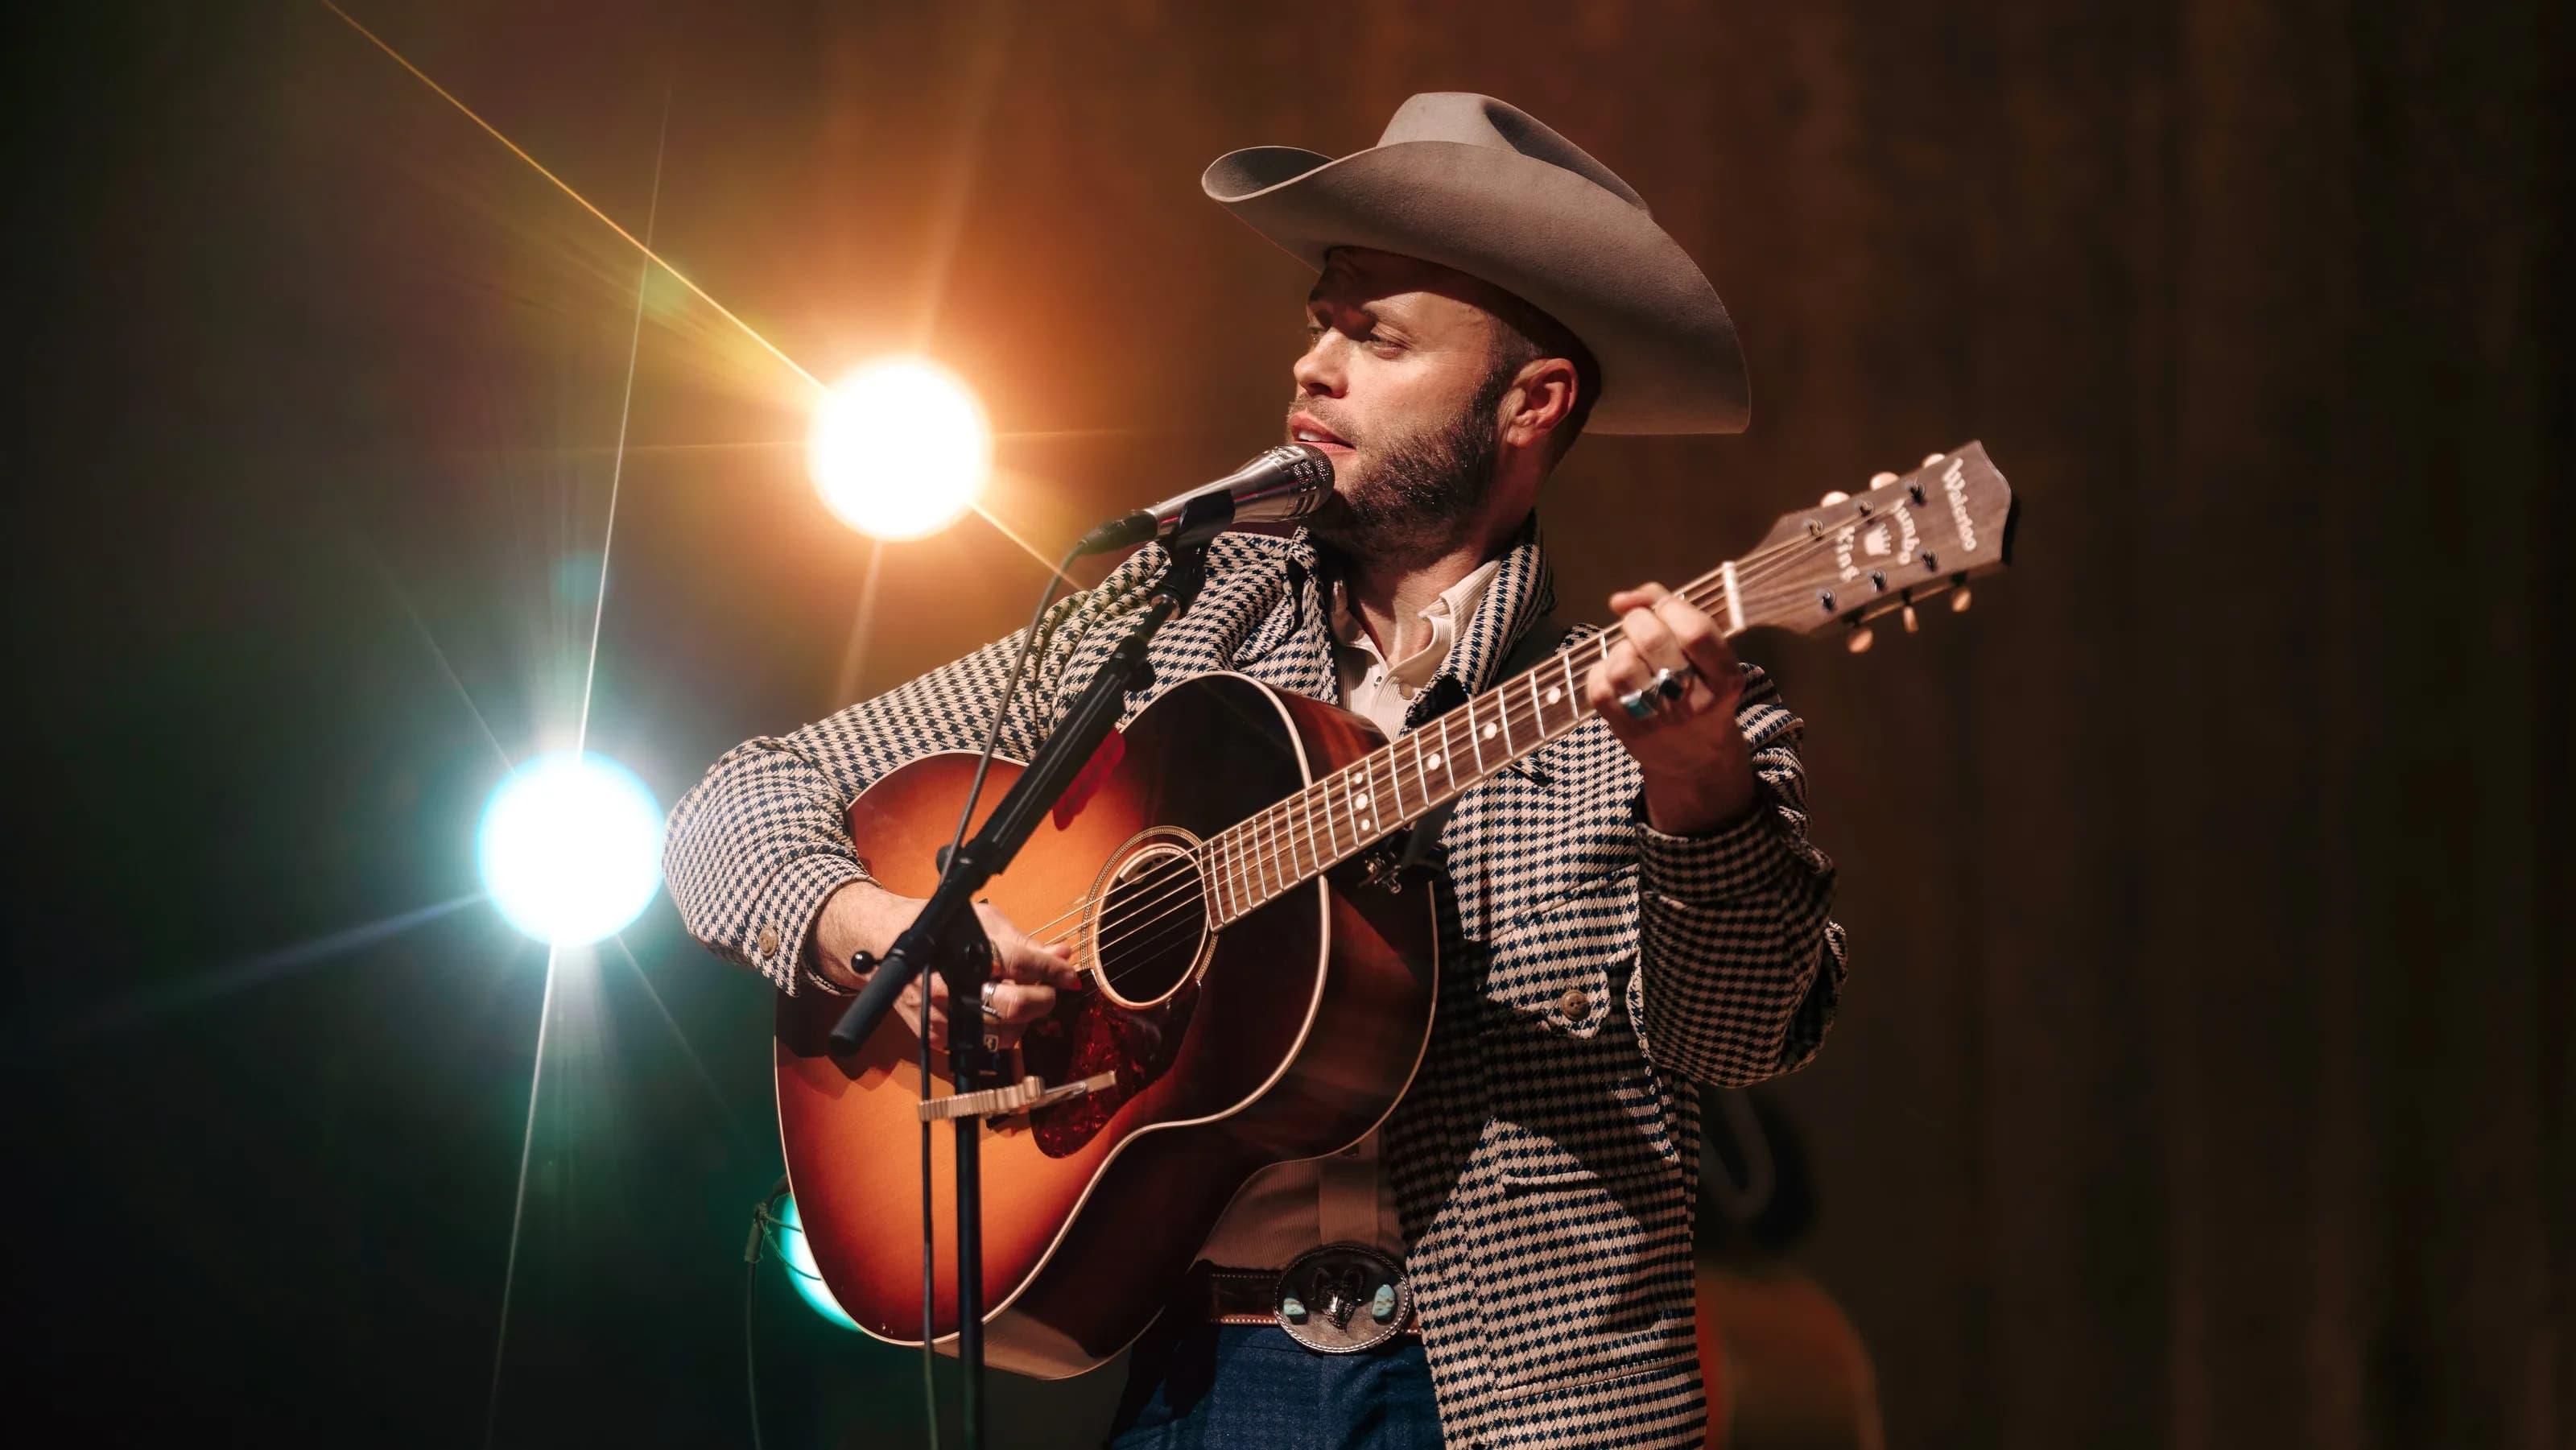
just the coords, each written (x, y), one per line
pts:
(948, 935)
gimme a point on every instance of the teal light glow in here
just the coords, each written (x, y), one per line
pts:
(570, 847)
(802, 1270)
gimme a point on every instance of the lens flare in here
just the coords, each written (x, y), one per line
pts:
(900, 449)
(570, 847)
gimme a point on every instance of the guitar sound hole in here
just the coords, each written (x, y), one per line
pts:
(1151, 930)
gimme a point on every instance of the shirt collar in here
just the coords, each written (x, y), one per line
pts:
(1521, 590)
(1446, 615)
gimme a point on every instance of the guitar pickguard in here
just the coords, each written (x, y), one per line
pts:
(1095, 1036)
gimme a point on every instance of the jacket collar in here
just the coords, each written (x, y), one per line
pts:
(1524, 589)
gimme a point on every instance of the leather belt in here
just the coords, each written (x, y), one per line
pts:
(1338, 1299)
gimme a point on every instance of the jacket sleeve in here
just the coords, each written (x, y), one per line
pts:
(754, 850)
(1739, 965)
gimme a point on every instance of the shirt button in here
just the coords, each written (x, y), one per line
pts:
(1576, 1003)
(769, 941)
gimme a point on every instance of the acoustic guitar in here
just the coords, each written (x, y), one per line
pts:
(1260, 985)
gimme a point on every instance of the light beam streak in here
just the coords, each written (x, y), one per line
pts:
(581, 735)
(394, 587)
(578, 199)
(519, 1201)
(625, 413)
(861, 626)
(256, 970)
(640, 245)
(706, 1079)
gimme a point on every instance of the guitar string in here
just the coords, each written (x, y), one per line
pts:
(1282, 819)
(1202, 863)
(1127, 927)
(1270, 835)
(1279, 820)
(1286, 865)
(1160, 925)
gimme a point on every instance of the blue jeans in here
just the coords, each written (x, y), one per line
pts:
(1251, 1387)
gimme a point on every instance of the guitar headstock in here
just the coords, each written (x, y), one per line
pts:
(1856, 557)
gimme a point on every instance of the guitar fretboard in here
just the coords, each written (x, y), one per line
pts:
(1258, 860)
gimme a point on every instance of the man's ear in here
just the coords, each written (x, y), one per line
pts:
(1544, 394)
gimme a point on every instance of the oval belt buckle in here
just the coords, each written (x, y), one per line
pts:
(1343, 1298)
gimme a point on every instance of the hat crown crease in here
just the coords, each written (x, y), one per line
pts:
(1468, 119)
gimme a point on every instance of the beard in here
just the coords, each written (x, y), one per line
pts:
(1415, 499)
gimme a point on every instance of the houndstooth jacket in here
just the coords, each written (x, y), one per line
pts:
(1545, 1160)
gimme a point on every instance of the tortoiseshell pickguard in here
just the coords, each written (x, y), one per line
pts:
(1093, 1035)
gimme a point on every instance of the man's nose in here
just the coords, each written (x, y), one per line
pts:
(1320, 370)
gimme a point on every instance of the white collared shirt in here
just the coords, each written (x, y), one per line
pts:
(1342, 1197)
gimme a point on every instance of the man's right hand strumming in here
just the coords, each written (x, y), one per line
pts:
(862, 919)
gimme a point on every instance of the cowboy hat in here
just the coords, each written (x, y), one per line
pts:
(1482, 187)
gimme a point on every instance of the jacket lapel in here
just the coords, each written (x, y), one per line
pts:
(1523, 591)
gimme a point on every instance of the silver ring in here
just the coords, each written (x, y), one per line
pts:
(1647, 699)
(984, 1000)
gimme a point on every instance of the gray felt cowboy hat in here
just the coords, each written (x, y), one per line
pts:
(1480, 186)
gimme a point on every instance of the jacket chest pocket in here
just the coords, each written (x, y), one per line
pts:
(1560, 970)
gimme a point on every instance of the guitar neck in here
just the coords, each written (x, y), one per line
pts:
(1345, 813)
(1843, 562)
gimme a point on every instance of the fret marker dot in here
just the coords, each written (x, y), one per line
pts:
(1555, 693)
(1432, 763)
(1361, 799)
(1489, 732)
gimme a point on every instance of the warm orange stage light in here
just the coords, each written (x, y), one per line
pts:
(900, 449)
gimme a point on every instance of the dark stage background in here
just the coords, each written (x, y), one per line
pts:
(2203, 1078)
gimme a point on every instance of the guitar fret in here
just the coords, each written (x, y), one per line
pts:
(1305, 816)
(1255, 888)
(1475, 737)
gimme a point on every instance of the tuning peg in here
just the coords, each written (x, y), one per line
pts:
(1833, 496)
(1959, 599)
(1862, 637)
(1932, 458)
(1912, 625)
(1881, 479)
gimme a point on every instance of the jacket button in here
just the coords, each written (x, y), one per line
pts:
(769, 941)
(1576, 1003)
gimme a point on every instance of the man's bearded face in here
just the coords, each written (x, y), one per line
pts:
(1400, 388)
(1410, 489)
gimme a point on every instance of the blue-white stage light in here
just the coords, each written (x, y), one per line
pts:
(571, 847)
(802, 1271)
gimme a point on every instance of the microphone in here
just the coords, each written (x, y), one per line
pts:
(1279, 485)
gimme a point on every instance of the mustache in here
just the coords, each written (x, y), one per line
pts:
(1324, 416)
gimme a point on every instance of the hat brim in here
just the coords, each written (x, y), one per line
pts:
(1669, 359)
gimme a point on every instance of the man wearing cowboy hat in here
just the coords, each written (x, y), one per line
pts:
(1631, 911)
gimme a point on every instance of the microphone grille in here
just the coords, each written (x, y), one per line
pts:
(1309, 465)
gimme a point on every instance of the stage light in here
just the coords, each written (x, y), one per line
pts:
(571, 847)
(899, 449)
(802, 1270)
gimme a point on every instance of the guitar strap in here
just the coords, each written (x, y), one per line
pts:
(1422, 844)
